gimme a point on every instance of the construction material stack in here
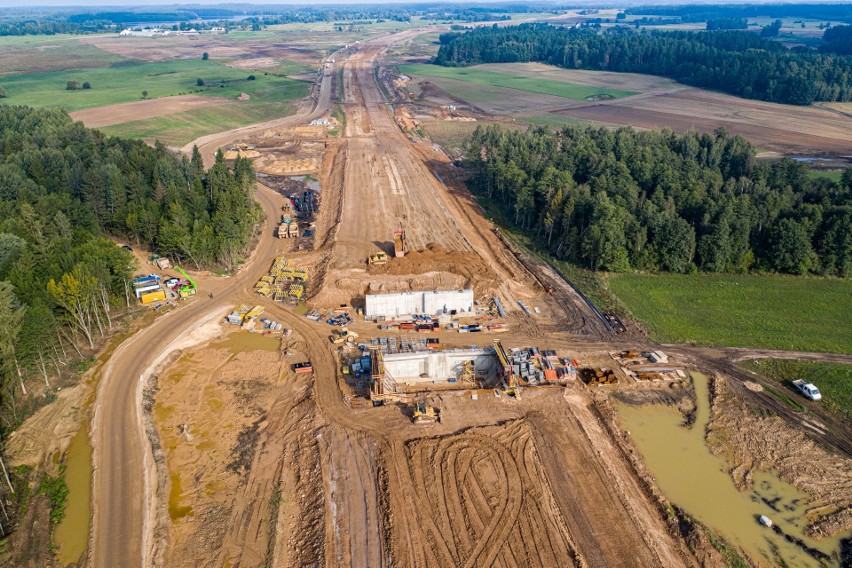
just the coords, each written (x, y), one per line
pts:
(594, 377)
(237, 315)
(283, 281)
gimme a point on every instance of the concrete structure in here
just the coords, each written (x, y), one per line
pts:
(430, 366)
(407, 303)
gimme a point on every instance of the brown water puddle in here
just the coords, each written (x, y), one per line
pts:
(72, 533)
(694, 479)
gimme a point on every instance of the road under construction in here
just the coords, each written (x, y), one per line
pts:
(532, 480)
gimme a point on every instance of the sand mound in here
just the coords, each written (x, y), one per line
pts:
(287, 167)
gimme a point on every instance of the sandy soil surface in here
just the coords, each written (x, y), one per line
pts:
(219, 415)
(140, 110)
(750, 441)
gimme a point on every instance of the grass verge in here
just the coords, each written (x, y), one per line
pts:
(834, 380)
(769, 311)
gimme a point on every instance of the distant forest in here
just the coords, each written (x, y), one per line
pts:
(622, 200)
(702, 12)
(739, 63)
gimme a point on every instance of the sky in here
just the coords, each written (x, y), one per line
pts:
(596, 3)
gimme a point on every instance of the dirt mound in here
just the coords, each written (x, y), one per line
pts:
(435, 258)
(348, 286)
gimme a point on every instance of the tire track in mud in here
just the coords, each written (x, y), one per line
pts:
(481, 502)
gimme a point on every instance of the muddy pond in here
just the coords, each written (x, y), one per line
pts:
(694, 479)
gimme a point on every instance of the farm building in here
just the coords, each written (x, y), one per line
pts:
(429, 302)
(430, 366)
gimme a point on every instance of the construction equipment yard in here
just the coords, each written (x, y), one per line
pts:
(409, 434)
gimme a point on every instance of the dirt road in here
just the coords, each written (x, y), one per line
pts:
(123, 464)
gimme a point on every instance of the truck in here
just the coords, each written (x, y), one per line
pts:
(807, 389)
(399, 243)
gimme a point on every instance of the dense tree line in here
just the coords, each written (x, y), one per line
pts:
(701, 13)
(837, 40)
(621, 200)
(740, 63)
(727, 24)
(126, 188)
(64, 189)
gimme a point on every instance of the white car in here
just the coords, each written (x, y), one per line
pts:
(807, 389)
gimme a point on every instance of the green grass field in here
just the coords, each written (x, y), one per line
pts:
(834, 380)
(505, 80)
(833, 176)
(779, 312)
(123, 83)
(183, 127)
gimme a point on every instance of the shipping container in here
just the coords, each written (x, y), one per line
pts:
(157, 296)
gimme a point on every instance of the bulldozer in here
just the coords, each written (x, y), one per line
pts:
(425, 414)
(378, 258)
(342, 336)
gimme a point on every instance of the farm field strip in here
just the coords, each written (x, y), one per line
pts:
(112, 85)
(562, 89)
(181, 128)
(779, 312)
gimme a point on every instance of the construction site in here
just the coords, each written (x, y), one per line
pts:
(437, 448)
(390, 381)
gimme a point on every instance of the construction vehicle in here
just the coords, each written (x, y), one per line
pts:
(343, 335)
(399, 243)
(425, 414)
(380, 257)
(505, 372)
(189, 287)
